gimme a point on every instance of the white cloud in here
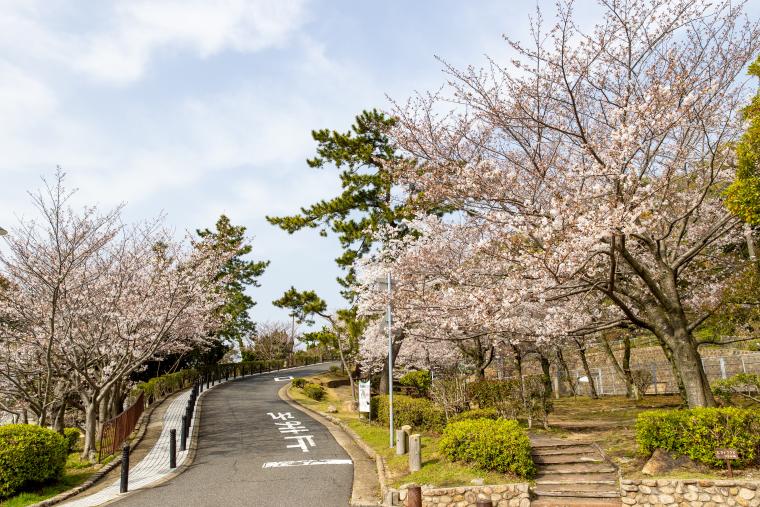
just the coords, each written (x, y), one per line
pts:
(118, 44)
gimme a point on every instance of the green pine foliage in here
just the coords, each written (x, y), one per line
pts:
(501, 445)
(366, 203)
(743, 196)
(29, 456)
(241, 274)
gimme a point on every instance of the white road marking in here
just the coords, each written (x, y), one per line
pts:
(307, 462)
(283, 379)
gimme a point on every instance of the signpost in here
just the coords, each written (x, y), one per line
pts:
(728, 455)
(364, 396)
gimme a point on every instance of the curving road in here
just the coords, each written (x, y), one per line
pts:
(244, 458)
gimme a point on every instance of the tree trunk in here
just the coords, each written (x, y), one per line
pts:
(90, 427)
(59, 423)
(25, 416)
(623, 370)
(563, 365)
(383, 388)
(587, 369)
(518, 367)
(691, 370)
(546, 374)
(103, 408)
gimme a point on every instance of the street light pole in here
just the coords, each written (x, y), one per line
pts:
(390, 366)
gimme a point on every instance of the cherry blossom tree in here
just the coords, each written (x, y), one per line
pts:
(93, 299)
(587, 176)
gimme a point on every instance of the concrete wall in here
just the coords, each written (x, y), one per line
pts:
(692, 493)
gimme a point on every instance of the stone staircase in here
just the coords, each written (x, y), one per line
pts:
(573, 474)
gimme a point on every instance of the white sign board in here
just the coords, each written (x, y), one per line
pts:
(364, 396)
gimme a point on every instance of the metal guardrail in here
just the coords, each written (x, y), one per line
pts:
(115, 431)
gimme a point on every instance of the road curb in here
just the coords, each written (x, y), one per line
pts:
(378, 459)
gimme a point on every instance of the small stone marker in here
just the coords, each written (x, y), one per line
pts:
(728, 455)
(415, 453)
(407, 431)
(400, 442)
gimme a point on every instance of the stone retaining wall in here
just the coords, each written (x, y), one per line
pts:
(502, 495)
(689, 492)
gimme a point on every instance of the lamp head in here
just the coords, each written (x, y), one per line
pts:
(3, 232)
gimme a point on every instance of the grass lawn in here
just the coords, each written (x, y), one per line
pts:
(75, 473)
(436, 470)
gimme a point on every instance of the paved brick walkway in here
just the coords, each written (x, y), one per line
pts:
(155, 465)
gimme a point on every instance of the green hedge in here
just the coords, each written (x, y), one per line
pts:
(500, 445)
(698, 432)
(298, 382)
(72, 437)
(420, 380)
(29, 455)
(314, 391)
(478, 413)
(419, 413)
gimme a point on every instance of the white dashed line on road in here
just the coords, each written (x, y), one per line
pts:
(283, 379)
(307, 462)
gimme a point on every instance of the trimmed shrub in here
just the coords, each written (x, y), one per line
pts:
(502, 395)
(314, 391)
(478, 413)
(419, 380)
(500, 445)
(298, 382)
(419, 413)
(72, 437)
(697, 432)
(29, 455)
(336, 370)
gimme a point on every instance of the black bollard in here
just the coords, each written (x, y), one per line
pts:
(173, 448)
(124, 482)
(183, 434)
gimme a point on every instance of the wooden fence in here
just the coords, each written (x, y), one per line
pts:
(115, 431)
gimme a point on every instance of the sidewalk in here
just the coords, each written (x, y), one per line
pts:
(155, 465)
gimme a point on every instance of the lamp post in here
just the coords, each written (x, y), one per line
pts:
(387, 283)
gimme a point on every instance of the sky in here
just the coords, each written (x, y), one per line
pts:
(197, 108)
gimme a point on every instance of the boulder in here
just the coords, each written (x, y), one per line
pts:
(662, 462)
(332, 409)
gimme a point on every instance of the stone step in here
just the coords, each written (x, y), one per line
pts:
(571, 449)
(553, 443)
(577, 468)
(574, 502)
(577, 490)
(567, 458)
(551, 478)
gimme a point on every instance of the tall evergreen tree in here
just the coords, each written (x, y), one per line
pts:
(366, 202)
(242, 273)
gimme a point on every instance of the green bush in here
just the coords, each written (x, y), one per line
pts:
(314, 391)
(420, 380)
(478, 413)
(72, 437)
(502, 395)
(336, 370)
(746, 386)
(29, 455)
(698, 432)
(419, 413)
(298, 382)
(499, 445)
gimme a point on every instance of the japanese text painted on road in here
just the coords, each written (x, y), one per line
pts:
(287, 425)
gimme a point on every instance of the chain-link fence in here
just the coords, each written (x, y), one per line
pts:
(608, 380)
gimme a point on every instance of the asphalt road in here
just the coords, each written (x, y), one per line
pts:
(238, 437)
